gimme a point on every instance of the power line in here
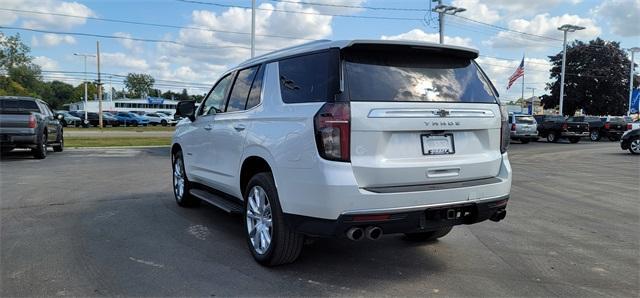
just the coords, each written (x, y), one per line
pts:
(302, 12)
(147, 24)
(130, 38)
(500, 28)
(116, 75)
(351, 6)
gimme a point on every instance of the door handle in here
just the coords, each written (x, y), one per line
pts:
(208, 127)
(239, 127)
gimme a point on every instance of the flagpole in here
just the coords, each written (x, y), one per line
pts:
(523, 80)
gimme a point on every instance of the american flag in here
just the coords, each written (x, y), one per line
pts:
(518, 73)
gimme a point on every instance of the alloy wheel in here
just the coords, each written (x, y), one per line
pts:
(178, 179)
(635, 145)
(259, 220)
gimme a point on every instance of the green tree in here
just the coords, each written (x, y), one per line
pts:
(13, 52)
(184, 95)
(596, 80)
(138, 84)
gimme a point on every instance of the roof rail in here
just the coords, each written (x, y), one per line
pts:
(286, 49)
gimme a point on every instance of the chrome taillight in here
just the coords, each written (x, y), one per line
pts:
(333, 131)
(505, 135)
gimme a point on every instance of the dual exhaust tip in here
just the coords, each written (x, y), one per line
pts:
(371, 233)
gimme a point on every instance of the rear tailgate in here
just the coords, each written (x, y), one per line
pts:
(577, 127)
(387, 143)
(420, 116)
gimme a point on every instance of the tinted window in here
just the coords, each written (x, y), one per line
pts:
(525, 120)
(240, 90)
(415, 76)
(214, 103)
(256, 89)
(308, 78)
(18, 105)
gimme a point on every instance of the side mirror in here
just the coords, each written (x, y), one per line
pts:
(187, 108)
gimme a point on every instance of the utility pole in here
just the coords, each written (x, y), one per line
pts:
(253, 28)
(565, 28)
(442, 10)
(633, 51)
(86, 121)
(99, 85)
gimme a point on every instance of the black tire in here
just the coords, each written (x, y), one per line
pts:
(594, 135)
(634, 145)
(574, 140)
(285, 245)
(163, 122)
(60, 146)
(183, 197)
(552, 138)
(427, 236)
(524, 141)
(40, 151)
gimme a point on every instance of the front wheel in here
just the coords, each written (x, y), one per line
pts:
(428, 236)
(595, 136)
(574, 140)
(60, 146)
(163, 122)
(270, 240)
(634, 145)
(552, 138)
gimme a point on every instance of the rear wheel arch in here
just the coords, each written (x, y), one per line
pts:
(251, 166)
(175, 148)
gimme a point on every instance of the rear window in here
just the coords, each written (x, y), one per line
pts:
(525, 120)
(18, 106)
(415, 76)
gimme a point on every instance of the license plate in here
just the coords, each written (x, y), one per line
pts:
(437, 144)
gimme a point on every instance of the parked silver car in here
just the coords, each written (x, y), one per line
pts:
(523, 127)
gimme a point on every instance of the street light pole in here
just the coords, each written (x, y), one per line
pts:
(633, 51)
(85, 83)
(442, 10)
(253, 28)
(565, 28)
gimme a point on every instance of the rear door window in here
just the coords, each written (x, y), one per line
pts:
(414, 76)
(309, 78)
(241, 88)
(256, 89)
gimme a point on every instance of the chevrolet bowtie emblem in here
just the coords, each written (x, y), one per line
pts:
(442, 113)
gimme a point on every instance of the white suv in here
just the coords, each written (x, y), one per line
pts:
(351, 139)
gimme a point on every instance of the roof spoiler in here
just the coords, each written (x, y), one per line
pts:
(414, 46)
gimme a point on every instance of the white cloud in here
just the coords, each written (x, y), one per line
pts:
(46, 63)
(477, 11)
(622, 15)
(44, 21)
(50, 40)
(131, 45)
(499, 71)
(542, 25)
(419, 35)
(123, 60)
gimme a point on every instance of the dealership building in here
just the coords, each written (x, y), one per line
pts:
(148, 105)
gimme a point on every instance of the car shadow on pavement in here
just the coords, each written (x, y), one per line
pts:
(18, 155)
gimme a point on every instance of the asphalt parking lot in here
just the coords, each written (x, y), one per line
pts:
(103, 222)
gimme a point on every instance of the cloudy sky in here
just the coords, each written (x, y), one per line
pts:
(186, 43)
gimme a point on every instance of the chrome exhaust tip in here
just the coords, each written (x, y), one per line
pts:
(373, 233)
(355, 234)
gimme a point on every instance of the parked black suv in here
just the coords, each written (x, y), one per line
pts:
(600, 127)
(554, 127)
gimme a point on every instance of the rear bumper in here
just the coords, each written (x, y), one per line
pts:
(332, 191)
(17, 140)
(575, 134)
(393, 221)
(520, 136)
